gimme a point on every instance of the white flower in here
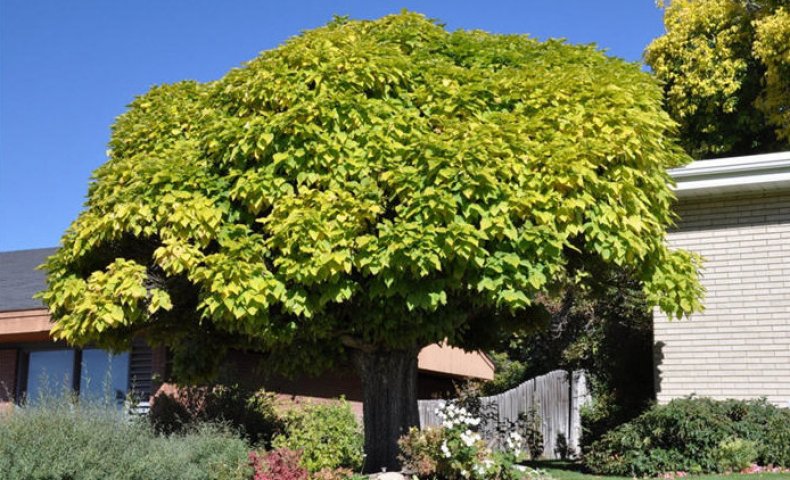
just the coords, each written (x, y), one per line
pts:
(514, 442)
(464, 474)
(446, 450)
(469, 438)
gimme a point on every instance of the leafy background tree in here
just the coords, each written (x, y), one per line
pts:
(605, 329)
(364, 190)
(725, 65)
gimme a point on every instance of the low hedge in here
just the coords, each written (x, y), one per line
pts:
(697, 435)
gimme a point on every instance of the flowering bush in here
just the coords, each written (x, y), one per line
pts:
(455, 450)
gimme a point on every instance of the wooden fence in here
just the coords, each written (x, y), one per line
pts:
(555, 399)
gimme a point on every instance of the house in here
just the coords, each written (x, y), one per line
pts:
(735, 212)
(31, 362)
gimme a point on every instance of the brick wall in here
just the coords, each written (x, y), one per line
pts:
(740, 346)
(8, 370)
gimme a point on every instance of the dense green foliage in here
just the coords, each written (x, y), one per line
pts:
(64, 440)
(379, 183)
(694, 435)
(726, 69)
(252, 414)
(605, 330)
(328, 436)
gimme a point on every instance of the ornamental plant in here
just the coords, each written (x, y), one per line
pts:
(278, 464)
(455, 450)
(328, 436)
(65, 437)
(364, 190)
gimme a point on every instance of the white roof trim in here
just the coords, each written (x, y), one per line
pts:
(753, 173)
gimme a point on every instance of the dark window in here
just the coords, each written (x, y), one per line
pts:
(91, 372)
(49, 372)
(104, 375)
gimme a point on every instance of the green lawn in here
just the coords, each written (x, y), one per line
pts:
(570, 471)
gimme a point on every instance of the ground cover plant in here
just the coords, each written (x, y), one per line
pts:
(695, 435)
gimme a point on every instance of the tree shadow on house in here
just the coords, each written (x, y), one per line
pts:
(658, 359)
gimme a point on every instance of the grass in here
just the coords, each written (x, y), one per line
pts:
(563, 470)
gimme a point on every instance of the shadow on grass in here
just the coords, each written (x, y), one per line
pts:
(566, 465)
(569, 470)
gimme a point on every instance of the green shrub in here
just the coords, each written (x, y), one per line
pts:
(252, 413)
(735, 454)
(327, 434)
(775, 447)
(61, 439)
(692, 435)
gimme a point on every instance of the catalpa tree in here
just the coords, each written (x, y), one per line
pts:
(367, 189)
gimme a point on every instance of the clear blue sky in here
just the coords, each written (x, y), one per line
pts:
(68, 68)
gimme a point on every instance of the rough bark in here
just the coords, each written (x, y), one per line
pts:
(389, 383)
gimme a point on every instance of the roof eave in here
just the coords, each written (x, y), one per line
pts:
(736, 175)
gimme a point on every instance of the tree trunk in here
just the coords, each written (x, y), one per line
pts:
(389, 385)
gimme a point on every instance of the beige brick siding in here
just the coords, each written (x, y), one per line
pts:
(740, 346)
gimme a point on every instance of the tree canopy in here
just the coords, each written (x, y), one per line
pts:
(381, 180)
(726, 69)
(372, 186)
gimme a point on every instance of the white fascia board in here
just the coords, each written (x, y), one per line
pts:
(753, 173)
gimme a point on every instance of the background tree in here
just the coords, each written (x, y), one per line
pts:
(603, 328)
(364, 190)
(725, 65)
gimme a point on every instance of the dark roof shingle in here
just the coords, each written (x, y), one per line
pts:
(19, 279)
